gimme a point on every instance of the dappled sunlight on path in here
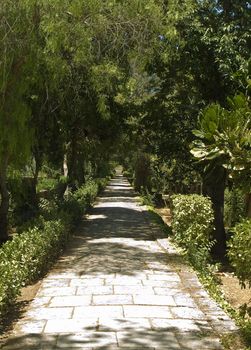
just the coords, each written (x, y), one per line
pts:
(116, 288)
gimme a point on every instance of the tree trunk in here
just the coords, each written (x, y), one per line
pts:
(38, 165)
(72, 161)
(248, 205)
(4, 205)
(214, 187)
(142, 172)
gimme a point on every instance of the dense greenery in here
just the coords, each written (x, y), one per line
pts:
(29, 255)
(193, 226)
(161, 87)
(239, 251)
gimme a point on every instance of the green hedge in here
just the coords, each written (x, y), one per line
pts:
(27, 257)
(30, 254)
(192, 225)
(239, 252)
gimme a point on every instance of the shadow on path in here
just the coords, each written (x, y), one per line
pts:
(115, 248)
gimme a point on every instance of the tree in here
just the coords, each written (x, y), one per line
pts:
(223, 147)
(15, 67)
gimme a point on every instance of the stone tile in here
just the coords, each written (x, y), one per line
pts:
(153, 339)
(205, 326)
(71, 326)
(147, 311)
(62, 275)
(191, 342)
(184, 300)
(49, 313)
(56, 292)
(155, 265)
(40, 301)
(199, 293)
(98, 311)
(112, 300)
(154, 300)
(132, 347)
(227, 326)
(70, 301)
(31, 342)
(82, 340)
(133, 290)
(123, 324)
(81, 282)
(175, 325)
(170, 277)
(170, 284)
(96, 290)
(138, 275)
(31, 327)
(166, 291)
(187, 312)
(97, 275)
(55, 283)
(123, 281)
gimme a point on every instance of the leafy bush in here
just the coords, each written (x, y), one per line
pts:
(79, 201)
(31, 253)
(234, 207)
(46, 184)
(86, 194)
(193, 225)
(27, 256)
(239, 251)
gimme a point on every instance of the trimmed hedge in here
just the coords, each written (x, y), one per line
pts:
(239, 252)
(193, 225)
(29, 255)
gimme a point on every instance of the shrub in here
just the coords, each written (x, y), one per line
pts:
(234, 207)
(30, 254)
(46, 184)
(27, 256)
(87, 193)
(192, 226)
(239, 252)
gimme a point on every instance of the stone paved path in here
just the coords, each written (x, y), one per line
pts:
(117, 288)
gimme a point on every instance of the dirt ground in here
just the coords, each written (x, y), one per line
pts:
(234, 293)
(27, 295)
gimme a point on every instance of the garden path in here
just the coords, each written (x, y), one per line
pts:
(120, 285)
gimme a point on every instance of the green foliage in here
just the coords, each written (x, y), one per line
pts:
(16, 56)
(46, 184)
(234, 207)
(239, 252)
(224, 138)
(29, 255)
(206, 274)
(193, 225)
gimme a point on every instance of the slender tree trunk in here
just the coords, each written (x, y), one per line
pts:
(72, 161)
(63, 189)
(4, 205)
(248, 205)
(34, 196)
(142, 172)
(214, 187)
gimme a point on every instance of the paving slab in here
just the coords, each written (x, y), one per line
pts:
(120, 284)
